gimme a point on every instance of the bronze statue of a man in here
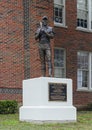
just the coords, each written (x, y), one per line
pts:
(44, 33)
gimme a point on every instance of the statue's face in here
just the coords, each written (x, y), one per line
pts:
(45, 22)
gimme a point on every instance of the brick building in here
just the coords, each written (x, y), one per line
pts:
(71, 47)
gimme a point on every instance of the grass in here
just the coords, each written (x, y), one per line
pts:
(11, 122)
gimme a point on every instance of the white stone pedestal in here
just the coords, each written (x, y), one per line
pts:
(39, 103)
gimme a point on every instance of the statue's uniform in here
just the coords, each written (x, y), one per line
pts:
(45, 48)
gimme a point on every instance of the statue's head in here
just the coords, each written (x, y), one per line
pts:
(45, 20)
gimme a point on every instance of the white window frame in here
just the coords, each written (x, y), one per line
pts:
(89, 88)
(89, 18)
(63, 24)
(64, 67)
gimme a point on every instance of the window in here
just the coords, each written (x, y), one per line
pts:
(59, 63)
(59, 12)
(91, 14)
(84, 14)
(84, 72)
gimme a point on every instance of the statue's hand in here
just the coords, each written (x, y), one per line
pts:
(41, 30)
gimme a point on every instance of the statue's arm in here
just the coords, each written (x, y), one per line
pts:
(37, 34)
(50, 34)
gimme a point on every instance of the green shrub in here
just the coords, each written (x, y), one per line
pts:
(90, 106)
(8, 107)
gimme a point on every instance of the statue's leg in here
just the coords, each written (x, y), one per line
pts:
(43, 64)
(49, 61)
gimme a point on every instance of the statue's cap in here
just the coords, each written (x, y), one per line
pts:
(44, 17)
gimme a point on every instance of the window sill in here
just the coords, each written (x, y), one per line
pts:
(60, 25)
(83, 30)
(84, 90)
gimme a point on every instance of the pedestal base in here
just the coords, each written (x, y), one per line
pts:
(47, 100)
(48, 114)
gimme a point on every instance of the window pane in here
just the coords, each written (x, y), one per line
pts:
(83, 60)
(58, 14)
(82, 13)
(85, 79)
(82, 78)
(59, 72)
(91, 14)
(82, 4)
(59, 63)
(59, 58)
(82, 19)
(83, 69)
(79, 78)
(58, 1)
(59, 11)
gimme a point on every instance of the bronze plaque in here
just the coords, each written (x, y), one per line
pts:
(57, 92)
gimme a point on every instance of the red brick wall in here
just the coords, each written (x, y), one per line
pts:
(11, 45)
(6, 96)
(18, 48)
